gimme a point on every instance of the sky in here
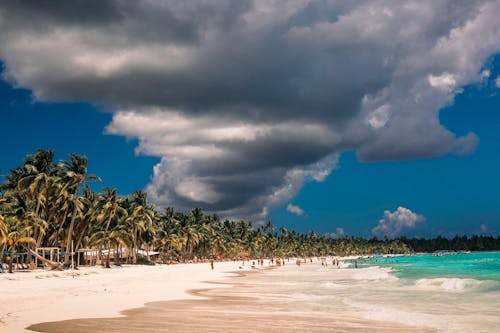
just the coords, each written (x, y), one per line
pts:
(366, 118)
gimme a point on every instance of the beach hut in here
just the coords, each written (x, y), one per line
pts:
(87, 257)
(50, 253)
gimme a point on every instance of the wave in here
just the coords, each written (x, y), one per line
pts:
(345, 264)
(374, 273)
(455, 284)
(386, 313)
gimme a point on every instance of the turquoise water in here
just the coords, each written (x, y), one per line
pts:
(478, 266)
(448, 294)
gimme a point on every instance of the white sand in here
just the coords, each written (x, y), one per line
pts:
(41, 296)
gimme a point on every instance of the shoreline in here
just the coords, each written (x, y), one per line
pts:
(239, 308)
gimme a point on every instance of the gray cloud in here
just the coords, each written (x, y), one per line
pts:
(247, 100)
(41, 13)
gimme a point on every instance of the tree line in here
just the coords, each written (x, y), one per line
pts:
(48, 204)
(457, 243)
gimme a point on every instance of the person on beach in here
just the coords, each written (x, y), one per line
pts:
(323, 262)
(212, 263)
(298, 262)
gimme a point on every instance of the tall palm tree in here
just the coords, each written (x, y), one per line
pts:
(74, 173)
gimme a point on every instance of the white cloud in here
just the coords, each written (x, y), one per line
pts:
(444, 81)
(485, 74)
(379, 117)
(397, 223)
(497, 82)
(483, 227)
(295, 209)
(339, 233)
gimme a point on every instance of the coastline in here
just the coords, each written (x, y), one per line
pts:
(243, 307)
(95, 292)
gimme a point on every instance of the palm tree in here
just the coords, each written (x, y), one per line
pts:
(139, 221)
(15, 237)
(33, 184)
(219, 244)
(74, 173)
(192, 238)
(89, 201)
(109, 207)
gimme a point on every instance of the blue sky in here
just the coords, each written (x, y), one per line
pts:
(456, 194)
(68, 128)
(363, 118)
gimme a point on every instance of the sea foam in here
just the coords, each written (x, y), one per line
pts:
(448, 284)
(374, 273)
(386, 313)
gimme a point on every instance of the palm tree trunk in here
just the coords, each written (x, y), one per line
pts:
(109, 253)
(78, 243)
(61, 225)
(118, 255)
(135, 248)
(38, 237)
(71, 226)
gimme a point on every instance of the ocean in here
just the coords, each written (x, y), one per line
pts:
(453, 293)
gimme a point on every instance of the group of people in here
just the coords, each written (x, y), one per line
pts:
(335, 262)
(281, 261)
(324, 262)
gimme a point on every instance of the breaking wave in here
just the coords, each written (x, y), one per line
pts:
(374, 273)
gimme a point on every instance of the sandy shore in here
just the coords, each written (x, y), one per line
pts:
(45, 296)
(176, 298)
(247, 306)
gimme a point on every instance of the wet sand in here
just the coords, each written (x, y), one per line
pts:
(245, 307)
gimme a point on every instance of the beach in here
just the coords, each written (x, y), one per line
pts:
(95, 292)
(177, 298)
(235, 298)
(242, 308)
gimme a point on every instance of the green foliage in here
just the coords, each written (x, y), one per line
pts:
(458, 243)
(48, 204)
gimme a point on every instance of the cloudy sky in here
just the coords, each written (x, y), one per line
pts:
(356, 117)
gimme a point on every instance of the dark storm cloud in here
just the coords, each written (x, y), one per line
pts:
(246, 100)
(43, 14)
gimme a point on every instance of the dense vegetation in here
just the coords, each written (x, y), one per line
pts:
(458, 243)
(52, 205)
